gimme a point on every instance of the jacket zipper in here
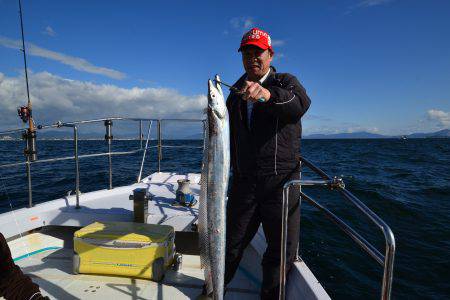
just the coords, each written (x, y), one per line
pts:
(276, 148)
(236, 154)
(235, 143)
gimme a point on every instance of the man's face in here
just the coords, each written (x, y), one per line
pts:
(256, 61)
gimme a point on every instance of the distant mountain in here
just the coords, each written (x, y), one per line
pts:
(353, 135)
(63, 135)
(444, 133)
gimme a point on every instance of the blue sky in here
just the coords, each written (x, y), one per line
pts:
(374, 65)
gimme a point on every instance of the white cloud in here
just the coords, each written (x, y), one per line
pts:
(278, 56)
(56, 98)
(77, 63)
(362, 128)
(49, 31)
(277, 43)
(442, 117)
(367, 3)
(242, 24)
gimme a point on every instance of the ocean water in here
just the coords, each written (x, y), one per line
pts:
(407, 183)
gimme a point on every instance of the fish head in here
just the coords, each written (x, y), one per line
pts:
(216, 100)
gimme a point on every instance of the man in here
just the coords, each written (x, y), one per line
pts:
(265, 133)
(14, 284)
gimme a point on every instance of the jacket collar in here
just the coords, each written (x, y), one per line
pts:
(269, 78)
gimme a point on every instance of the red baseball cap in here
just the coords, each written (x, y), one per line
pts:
(258, 38)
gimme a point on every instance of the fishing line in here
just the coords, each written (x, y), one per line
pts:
(14, 216)
(234, 89)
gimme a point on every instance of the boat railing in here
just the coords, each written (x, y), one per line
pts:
(336, 183)
(31, 157)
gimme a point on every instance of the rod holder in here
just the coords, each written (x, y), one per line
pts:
(31, 155)
(30, 149)
(140, 205)
(108, 135)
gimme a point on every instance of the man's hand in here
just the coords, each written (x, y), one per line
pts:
(253, 91)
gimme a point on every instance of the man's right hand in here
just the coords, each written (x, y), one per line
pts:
(253, 91)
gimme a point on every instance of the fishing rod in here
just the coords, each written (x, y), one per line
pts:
(25, 112)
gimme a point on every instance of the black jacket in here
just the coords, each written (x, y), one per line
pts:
(272, 143)
(13, 283)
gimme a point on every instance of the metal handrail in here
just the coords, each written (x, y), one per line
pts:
(387, 260)
(108, 137)
(77, 166)
(70, 124)
(71, 157)
(369, 248)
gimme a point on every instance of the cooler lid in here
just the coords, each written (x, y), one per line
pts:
(126, 231)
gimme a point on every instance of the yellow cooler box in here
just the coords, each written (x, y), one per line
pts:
(125, 249)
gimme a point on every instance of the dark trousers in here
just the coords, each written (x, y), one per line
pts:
(257, 200)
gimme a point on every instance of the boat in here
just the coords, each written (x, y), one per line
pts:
(40, 236)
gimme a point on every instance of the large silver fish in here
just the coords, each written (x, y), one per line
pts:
(214, 184)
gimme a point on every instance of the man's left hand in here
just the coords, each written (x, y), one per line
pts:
(253, 91)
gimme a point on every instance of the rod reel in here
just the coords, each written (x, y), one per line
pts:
(24, 113)
(29, 135)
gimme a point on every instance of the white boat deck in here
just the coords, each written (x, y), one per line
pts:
(107, 205)
(50, 265)
(46, 254)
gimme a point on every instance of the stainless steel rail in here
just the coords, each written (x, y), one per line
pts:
(77, 167)
(387, 260)
(71, 157)
(108, 137)
(336, 183)
(70, 124)
(159, 147)
(346, 228)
